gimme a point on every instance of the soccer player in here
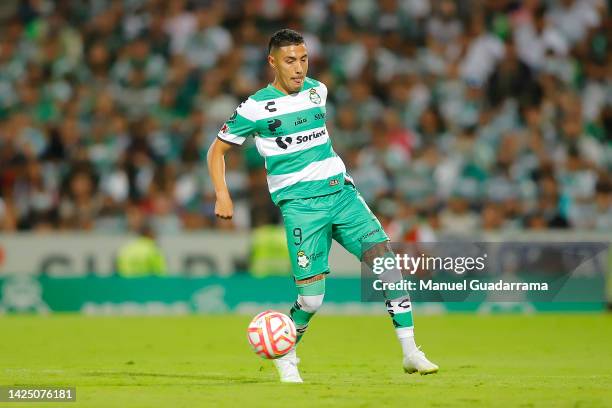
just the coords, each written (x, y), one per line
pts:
(310, 185)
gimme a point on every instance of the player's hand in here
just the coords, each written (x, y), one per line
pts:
(224, 207)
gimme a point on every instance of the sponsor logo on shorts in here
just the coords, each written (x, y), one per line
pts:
(316, 256)
(369, 234)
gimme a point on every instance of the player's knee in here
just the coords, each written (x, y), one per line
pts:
(310, 303)
(378, 250)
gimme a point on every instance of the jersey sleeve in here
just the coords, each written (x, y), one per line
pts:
(240, 125)
(323, 90)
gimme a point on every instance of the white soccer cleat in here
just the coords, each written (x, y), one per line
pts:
(417, 362)
(287, 367)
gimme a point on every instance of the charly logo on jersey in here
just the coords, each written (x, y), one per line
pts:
(314, 96)
(302, 259)
(284, 142)
(269, 106)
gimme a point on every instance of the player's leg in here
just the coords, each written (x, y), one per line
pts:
(397, 302)
(308, 239)
(311, 292)
(399, 308)
(358, 230)
(308, 228)
(310, 298)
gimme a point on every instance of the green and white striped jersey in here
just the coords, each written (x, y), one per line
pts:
(291, 135)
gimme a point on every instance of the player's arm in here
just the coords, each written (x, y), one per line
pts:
(233, 133)
(224, 208)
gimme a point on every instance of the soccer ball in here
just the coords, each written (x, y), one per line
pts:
(271, 334)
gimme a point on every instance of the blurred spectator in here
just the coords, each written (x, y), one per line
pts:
(452, 115)
(269, 255)
(141, 256)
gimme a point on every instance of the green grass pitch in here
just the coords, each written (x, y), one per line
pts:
(205, 361)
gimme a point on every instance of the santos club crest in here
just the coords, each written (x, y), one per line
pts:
(302, 259)
(314, 96)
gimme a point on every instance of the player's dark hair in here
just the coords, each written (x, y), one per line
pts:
(284, 37)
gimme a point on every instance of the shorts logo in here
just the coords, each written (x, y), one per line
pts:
(369, 234)
(225, 128)
(333, 182)
(302, 259)
(314, 96)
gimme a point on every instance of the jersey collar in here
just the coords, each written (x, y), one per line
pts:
(281, 93)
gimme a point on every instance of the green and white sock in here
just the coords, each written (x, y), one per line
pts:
(400, 311)
(399, 308)
(397, 301)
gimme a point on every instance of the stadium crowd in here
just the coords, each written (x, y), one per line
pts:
(453, 115)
